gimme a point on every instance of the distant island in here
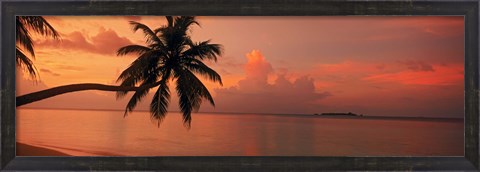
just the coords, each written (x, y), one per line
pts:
(340, 114)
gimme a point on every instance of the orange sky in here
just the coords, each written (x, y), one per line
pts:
(388, 66)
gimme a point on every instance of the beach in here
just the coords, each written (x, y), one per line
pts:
(29, 150)
(43, 150)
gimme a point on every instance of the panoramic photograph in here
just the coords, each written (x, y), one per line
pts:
(239, 86)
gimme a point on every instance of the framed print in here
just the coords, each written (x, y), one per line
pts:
(239, 85)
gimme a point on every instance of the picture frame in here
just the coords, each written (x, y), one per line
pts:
(468, 8)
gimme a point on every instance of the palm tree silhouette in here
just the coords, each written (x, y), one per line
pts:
(170, 55)
(24, 24)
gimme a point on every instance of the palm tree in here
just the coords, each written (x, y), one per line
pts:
(24, 24)
(170, 55)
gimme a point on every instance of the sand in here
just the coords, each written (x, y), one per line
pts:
(29, 150)
(49, 150)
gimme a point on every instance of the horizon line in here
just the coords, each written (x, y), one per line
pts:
(300, 114)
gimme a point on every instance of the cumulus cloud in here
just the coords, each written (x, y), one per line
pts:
(106, 42)
(254, 93)
(257, 70)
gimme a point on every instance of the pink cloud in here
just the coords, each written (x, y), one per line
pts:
(133, 18)
(417, 65)
(106, 42)
(349, 72)
(443, 75)
(49, 72)
(257, 70)
(402, 71)
(255, 94)
(348, 66)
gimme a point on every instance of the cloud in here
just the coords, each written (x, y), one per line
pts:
(421, 75)
(348, 67)
(346, 73)
(379, 88)
(133, 18)
(254, 93)
(106, 42)
(416, 65)
(257, 70)
(49, 72)
(409, 72)
(68, 67)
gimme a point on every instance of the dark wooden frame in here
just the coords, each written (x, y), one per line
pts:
(468, 8)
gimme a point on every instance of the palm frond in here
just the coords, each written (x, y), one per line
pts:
(174, 39)
(169, 20)
(190, 91)
(199, 67)
(132, 81)
(138, 95)
(204, 50)
(183, 23)
(24, 62)
(175, 33)
(185, 102)
(39, 25)
(23, 25)
(200, 90)
(161, 29)
(132, 75)
(160, 101)
(149, 34)
(141, 64)
(185, 95)
(164, 34)
(23, 38)
(139, 49)
(145, 68)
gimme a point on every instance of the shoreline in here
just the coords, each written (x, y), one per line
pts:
(29, 150)
(45, 150)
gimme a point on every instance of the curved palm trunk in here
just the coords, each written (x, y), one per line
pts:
(40, 95)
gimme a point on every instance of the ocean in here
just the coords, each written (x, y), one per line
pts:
(108, 133)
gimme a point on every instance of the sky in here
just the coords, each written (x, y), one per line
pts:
(371, 65)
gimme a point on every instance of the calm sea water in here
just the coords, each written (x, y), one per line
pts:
(82, 132)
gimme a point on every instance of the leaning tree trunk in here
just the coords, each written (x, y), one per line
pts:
(40, 95)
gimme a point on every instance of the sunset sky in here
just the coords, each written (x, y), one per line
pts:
(372, 65)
